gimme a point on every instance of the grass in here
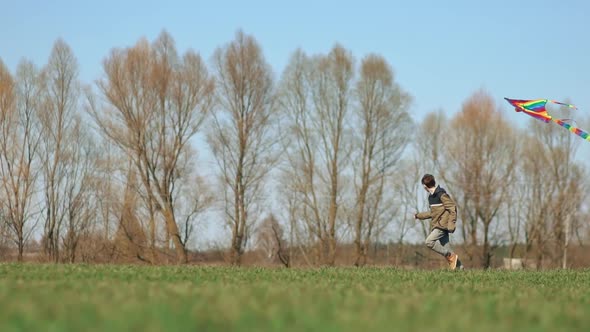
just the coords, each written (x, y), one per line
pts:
(132, 298)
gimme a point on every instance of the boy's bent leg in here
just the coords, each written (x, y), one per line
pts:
(433, 241)
(445, 242)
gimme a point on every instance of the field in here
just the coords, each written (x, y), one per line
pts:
(133, 298)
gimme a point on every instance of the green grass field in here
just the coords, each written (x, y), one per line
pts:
(130, 298)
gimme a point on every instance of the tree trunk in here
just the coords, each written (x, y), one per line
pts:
(486, 255)
(172, 228)
(21, 248)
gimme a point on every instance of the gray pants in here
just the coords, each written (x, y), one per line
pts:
(438, 241)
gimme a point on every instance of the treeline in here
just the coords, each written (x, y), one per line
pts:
(327, 155)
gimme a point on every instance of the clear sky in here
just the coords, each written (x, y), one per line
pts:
(441, 51)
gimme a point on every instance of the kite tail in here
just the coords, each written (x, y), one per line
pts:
(573, 129)
(564, 104)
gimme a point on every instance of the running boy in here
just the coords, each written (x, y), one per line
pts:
(443, 215)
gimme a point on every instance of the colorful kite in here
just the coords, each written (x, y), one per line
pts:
(536, 109)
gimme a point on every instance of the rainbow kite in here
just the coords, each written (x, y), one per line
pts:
(536, 109)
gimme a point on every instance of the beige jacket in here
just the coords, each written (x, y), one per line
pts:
(443, 211)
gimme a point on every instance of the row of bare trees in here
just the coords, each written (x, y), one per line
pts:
(344, 139)
(521, 189)
(326, 155)
(44, 176)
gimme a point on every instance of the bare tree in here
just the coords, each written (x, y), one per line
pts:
(60, 106)
(427, 158)
(270, 239)
(516, 211)
(567, 175)
(299, 172)
(242, 133)
(409, 193)
(192, 201)
(429, 147)
(315, 98)
(331, 83)
(159, 102)
(19, 143)
(556, 195)
(131, 242)
(382, 133)
(107, 188)
(481, 165)
(538, 193)
(80, 191)
(102, 169)
(300, 239)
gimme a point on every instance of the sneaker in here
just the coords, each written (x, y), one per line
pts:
(460, 266)
(453, 259)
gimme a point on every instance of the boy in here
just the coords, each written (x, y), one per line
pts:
(443, 215)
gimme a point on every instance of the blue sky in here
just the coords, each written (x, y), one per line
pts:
(442, 51)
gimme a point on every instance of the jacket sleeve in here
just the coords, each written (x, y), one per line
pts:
(423, 215)
(449, 205)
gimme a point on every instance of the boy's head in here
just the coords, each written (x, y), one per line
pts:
(428, 181)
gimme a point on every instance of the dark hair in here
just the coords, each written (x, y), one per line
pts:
(428, 180)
